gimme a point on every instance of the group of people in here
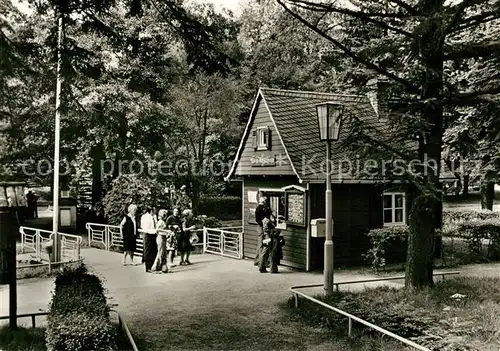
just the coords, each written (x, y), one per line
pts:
(163, 236)
(270, 241)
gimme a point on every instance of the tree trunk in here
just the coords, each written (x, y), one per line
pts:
(97, 154)
(425, 213)
(487, 194)
(466, 185)
(419, 264)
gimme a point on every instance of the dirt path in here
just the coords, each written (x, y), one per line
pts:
(217, 303)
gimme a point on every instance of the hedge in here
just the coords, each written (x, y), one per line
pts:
(474, 233)
(451, 216)
(224, 208)
(388, 245)
(78, 314)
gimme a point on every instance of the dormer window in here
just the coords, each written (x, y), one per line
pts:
(262, 138)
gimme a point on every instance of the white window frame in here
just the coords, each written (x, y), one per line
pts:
(393, 208)
(262, 136)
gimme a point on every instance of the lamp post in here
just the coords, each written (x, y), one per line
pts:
(56, 256)
(329, 119)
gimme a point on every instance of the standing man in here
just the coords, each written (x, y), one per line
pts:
(35, 206)
(260, 213)
(150, 249)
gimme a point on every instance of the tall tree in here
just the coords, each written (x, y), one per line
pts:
(416, 44)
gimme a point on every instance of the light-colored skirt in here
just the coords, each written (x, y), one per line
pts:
(160, 263)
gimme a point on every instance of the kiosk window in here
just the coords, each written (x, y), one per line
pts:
(278, 206)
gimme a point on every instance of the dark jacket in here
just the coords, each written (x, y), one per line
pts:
(261, 212)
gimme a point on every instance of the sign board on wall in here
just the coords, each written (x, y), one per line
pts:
(252, 197)
(251, 215)
(263, 161)
(295, 209)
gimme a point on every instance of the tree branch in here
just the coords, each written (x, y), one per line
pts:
(473, 21)
(315, 6)
(456, 17)
(350, 53)
(410, 9)
(471, 50)
(365, 17)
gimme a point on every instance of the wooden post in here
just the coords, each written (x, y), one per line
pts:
(8, 226)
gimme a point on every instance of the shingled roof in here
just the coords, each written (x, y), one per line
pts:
(294, 115)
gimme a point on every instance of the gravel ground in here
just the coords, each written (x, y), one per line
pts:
(217, 303)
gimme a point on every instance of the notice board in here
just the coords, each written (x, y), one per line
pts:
(295, 209)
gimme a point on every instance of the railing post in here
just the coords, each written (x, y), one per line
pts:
(21, 230)
(296, 300)
(33, 320)
(205, 237)
(337, 287)
(38, 244)
(222, 242)
(88, 231)
(349, 332)
(78, 243)
(240, 248)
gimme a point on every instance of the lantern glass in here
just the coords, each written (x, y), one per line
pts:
(329, 119)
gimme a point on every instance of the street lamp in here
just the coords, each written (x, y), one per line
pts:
(329, 120)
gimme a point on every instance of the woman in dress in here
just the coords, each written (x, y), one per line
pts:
(174, 223)
(160, 263)
(129, 233)
(185, 246)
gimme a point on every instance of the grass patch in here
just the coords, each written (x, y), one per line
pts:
(22, 339)
(460, 313)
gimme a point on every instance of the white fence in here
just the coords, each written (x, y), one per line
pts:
(33, 240)
(221, 241)
(110, 236)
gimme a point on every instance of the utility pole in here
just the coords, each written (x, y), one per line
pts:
(56, 256)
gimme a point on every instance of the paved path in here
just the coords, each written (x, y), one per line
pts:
(216, 303)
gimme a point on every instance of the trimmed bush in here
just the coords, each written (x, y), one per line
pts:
(224, 208)
(475, 232)
(451, 216)
(209, 222)
(389, 245)
(78, 314)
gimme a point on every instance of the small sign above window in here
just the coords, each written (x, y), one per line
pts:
(64, 194)
(263, 161)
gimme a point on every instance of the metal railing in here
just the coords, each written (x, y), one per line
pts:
(26, 315)
(125, 328)
(110, 236)
(223, 242)
(123, 325)
(33, 240)
(351, 317)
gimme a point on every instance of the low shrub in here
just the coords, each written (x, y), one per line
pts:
(224, 208)
(80, 331)
(475, 233)
(451, 216)
(209, 222)
(78, 313)
(388, 245)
